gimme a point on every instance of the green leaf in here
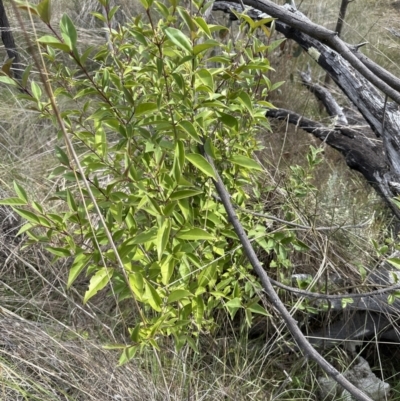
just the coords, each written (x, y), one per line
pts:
(24, 228)
(246, 101)
(245, 161)
(8, 81)
(129, 352)
(28, 215)
(54, 43)
(167, 269)
(249, 20)
(12, 202)
(62, 156)
(209, 44)
(188, 127)
(187, 18)
(195, 234)
(98, 282)
(346, 301)
(71, 201)
(202, 164)
(192, 344)
(179, 38)
(44, 11)
(276, 85)
(61, 252)
(394, 262)
(112, 12)
(99, 16)
(207, 275)
(205, 77)
(6, 67)
(256, 308)
(152, 297)
(264, 21)
(202, 24)
(25, 76)
(36, 91)
(68, 31)
(21, 192)
(198, 307)
(233, 306)
(146, 236)
(24, 5)
(145, 4)
(177, 295)
(185, 193)
(136, 284)
(145, 108)
(228, 120)
(179, 160)
(163, 237)
(80, 262)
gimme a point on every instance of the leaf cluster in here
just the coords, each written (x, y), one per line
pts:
(139, 122)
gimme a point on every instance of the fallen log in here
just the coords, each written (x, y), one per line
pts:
(358, 78)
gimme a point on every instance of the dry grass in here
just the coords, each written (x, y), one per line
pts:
(50, 362)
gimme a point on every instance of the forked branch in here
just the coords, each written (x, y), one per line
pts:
(291, 324)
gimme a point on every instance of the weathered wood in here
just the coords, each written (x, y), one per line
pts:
(325, 97)
(339, 27)
(378, 160)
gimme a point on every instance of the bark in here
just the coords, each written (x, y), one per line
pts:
(339, 26)
(325, 97)
(9, 43)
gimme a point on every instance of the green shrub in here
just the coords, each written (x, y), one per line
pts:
(139, 211)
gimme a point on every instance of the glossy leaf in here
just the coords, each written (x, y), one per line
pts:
(189, 128)
(145, 108)
(12, 202)
(80, 262)
(44, 11)
(21, 193)
(233, 306)
(136, 284)
(98, 281)
(8, 80)
(178, 38)
(394, 262)
(195, 234)
(68, 31)
(144, 237)
(185, 193)
(167, 269)
(163, 238)
(152, 297)
(245, 161)
(177, 295)
(202, 164)
(257, 308)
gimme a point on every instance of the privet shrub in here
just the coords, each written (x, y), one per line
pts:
(139, 210)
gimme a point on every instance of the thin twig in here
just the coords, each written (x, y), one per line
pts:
(315, 295)
(291, 324)
(290, 223)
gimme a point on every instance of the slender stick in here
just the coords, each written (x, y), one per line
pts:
(339, 27)
(291, 324)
